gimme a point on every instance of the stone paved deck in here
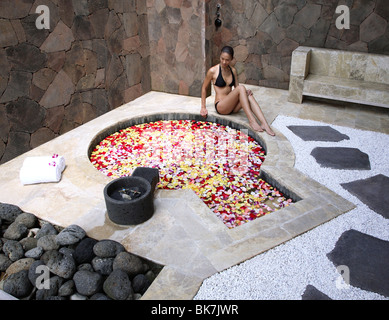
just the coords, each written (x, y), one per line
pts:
(183, 234)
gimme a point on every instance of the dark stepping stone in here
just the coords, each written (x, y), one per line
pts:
(311, 293)
(150, 174)
(366, 257)
(318, 133)
(373, 192)
(341, 158)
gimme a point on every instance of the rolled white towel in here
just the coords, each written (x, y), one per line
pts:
(42, 169)
(54, 160)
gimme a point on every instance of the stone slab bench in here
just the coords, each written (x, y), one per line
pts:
(339, 75)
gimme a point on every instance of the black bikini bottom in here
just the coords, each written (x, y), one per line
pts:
(218, 110)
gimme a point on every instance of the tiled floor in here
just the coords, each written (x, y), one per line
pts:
(183, 234)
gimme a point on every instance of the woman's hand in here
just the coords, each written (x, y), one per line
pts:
(249, 93)
(204, 112)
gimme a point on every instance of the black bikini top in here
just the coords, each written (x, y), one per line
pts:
(220, 81)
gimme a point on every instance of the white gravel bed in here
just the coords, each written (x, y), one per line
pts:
(284, 271)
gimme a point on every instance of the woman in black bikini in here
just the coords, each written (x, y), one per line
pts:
(228, 100)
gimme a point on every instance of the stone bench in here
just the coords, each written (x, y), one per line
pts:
(339, 75)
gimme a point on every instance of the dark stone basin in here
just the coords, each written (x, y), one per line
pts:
(136, 206)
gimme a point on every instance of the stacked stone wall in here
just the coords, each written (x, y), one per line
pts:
(177, 45)
(264, 33)
(92, 59)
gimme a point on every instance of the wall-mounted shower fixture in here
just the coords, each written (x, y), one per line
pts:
(218, 22)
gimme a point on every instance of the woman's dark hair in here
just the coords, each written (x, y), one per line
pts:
(229, 50)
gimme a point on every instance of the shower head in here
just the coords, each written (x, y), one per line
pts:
(218, 22)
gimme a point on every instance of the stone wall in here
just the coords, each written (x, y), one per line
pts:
(184, 42)
(265, 32)
(177, 45)
(94, 58)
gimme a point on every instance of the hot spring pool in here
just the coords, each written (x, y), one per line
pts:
(219, 163)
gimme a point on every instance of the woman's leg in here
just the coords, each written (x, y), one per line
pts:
(238, 108)
(256, 109)
(231, 103)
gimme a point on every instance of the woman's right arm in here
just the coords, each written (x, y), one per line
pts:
(206, 83)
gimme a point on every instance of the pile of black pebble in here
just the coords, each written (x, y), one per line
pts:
(41, 261)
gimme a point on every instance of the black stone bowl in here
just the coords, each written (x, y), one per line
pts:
(129, 212)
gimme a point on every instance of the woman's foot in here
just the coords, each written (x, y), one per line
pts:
(256, 127)
(268, 130)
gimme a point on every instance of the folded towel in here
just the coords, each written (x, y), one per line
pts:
(42, 169)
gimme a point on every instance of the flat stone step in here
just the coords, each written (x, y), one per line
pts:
(341, 158)
(367, 258)
(373, 192)
(6, 296)
(318, 133)
(311, 293)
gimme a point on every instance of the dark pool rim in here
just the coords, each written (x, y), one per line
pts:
(222, 120)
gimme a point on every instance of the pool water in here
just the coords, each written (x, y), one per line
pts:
(220, 164)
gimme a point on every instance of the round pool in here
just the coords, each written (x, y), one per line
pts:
(220, 163)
